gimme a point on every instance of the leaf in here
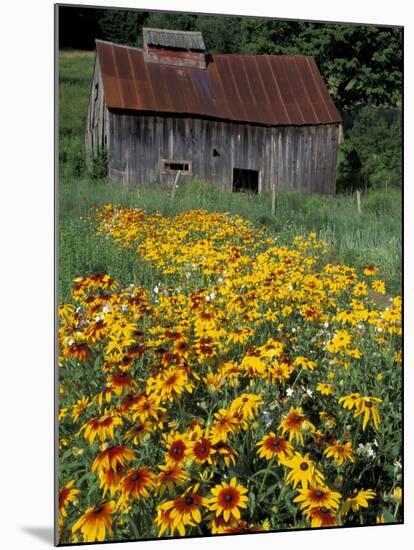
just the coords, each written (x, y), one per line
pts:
(388, 516)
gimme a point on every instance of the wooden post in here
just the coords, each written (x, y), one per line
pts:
(358, 196)
(174, 187)
(273, 196)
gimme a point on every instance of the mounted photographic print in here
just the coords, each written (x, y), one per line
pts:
(229, 275)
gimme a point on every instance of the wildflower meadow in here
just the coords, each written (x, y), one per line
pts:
(248, 385)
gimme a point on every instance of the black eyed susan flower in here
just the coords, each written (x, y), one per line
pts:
(294, 423)
(368, 407)
(370, 270)
(350, 401)
(139, 432)
(217, 524)
(171, 475)
(67, 494)
(165, 523)
(316, 497)
(136, 484)
(109, 480)
(325, 388)
(121, 382)
(101, 426)
(112, 457)
(225, 424)
(340, 452)
(321, 517)
(228, 499)
(178, 447)
(247, 404)
(226, 452)
(302, 471)
(358, 500)
(185, 510)
(202, 450)
(148, 407)
(96, 522)
(271, 446)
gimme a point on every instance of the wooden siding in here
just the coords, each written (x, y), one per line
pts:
(301, 158)
(97, 117)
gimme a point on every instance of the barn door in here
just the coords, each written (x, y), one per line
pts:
(245, 180)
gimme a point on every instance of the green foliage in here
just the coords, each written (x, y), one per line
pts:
(221, 34)
(75, 75)
(99, 165)
(361, 64)
(123, 26)
(371, 153)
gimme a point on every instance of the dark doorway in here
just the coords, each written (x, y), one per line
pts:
(245, 180)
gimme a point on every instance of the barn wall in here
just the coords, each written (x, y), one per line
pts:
(97, 117)
(299, 158)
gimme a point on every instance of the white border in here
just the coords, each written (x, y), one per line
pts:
(26, 224)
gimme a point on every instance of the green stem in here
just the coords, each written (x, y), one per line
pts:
(133, 527)
(265, 476)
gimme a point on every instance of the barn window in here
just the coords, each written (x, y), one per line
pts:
(245, 180)
(173, 166)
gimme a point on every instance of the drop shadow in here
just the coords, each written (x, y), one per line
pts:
(44, 534)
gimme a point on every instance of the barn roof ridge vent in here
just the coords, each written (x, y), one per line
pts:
(174, 39)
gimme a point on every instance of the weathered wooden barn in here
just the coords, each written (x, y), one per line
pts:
(239, 121)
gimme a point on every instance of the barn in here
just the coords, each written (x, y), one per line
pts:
(243, 122)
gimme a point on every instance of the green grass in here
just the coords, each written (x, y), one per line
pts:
(374, 237)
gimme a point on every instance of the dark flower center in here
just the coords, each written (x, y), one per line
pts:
(275, 443)
(189, 500)
(304, 466)
(324, 510)
(228, 497)
(135, 477)
(318, 493)
(177, 449)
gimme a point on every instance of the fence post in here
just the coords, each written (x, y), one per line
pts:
(174, 187)
(358, 197)
(273, 196)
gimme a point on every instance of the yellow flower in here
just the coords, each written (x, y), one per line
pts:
(96, 522)
(350, 401)
(360, 289)
(228, 499)
(67, 494)
(370, 270)
(359, 500)
(325, 389)
(318, 496)
(397, 494)
(378, 286)
(340, 452)
(294, 423)
(102, 426)
(368, 407)
(185, 510)
(342, 339)
(303, 471)
(271, 446)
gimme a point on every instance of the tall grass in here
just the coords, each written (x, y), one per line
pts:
(374, 237)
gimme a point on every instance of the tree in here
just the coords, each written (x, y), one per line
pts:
(122, 26)
(361, 64)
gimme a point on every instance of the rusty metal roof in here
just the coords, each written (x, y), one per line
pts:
(263, 89)
(186, 40)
